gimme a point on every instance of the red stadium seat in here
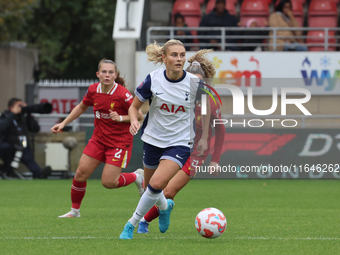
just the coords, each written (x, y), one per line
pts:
(322, 13)
(318, 37)
(261, 21)
(187, 8)
(302, 1)
(322, 7)
(230, 6)
(199, 1)
(232, 1)
(297, 9)
(190, 10)
(335, 1)
(254, 9)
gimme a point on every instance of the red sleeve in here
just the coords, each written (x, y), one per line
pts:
(219, 133)
(88, 97)
(128, 98)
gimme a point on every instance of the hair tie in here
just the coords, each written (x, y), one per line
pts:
(195, 63)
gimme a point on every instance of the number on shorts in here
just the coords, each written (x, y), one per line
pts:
(117, 155)
(194, 163)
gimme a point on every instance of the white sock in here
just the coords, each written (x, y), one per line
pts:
(146, 202)
(143, 219)
(75, 210)
(161, 202)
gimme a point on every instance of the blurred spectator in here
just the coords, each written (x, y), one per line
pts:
(219, 17)
(14, 147)
(253, 23)
(283, 17)
(179, 22)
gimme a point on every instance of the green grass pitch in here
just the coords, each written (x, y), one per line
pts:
(264, 217)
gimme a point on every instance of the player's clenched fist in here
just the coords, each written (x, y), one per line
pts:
(57, 128)
(114, 116)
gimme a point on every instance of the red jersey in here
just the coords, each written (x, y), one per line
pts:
(109, 132)
(219, 131)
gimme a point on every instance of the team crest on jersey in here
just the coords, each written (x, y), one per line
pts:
(186, 96)
(112, 106)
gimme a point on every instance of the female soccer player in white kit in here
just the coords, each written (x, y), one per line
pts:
(167, 131)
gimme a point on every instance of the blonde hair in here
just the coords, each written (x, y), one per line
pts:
(119, 80)
(205, 68)
(154, 51)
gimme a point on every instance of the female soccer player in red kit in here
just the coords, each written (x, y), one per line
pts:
(111, 142)
(202, 67)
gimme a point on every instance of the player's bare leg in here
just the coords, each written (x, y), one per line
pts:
(86, 167)
(176, 183)
(147, 175)
(112, 178)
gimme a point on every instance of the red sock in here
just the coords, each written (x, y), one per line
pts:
(126, 179)
(77, 193)
(151, 214)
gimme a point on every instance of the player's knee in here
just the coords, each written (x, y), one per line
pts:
(157, 185)
(80, 175)
(110, 184)
(168, 193)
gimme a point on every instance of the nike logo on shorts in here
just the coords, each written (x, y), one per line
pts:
(178, 156)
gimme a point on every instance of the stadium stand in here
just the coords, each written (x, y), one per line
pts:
(318, 37)
(191, 11)
(199, 1)
(322, 14)
(311, 13)
(254, 9)
(298, 12)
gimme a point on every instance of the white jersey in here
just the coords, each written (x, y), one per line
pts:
(171, 117)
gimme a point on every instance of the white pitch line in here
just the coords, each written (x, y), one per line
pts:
(232, 238)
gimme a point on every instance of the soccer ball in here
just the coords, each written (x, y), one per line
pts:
(210, 223)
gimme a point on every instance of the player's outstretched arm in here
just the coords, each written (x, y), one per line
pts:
(75, 113)
(133, 114)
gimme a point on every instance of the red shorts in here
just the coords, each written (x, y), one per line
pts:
(192, 163)
(109, 155)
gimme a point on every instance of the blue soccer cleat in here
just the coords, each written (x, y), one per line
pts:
(128, 231)
(143, 227)
(164, 217)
